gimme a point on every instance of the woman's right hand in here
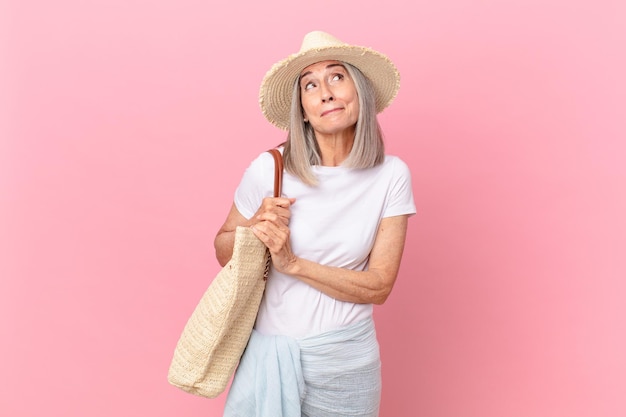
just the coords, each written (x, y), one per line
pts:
(274, 209)
(272, 228)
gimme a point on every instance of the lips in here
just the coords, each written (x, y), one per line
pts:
(331, 111)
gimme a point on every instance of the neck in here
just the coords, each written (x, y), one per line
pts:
(335, 148)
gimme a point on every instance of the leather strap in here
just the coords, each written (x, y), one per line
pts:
(278, 172)
(278, 190)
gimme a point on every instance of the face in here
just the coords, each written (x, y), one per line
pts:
(329, 98)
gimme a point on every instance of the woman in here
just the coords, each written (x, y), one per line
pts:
(336, 236)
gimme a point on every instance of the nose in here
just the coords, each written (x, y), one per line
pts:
(327, 94)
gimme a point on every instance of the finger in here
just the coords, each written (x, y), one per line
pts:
(284, 202)
(276, 214)
(258, 231)
(273, 236)
(275, 218)
(276, 232)
(278, 206)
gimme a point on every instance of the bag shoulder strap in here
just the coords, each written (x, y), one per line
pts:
(278, 171)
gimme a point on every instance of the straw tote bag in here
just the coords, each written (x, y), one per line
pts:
(218, 330)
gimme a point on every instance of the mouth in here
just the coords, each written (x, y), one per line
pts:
(330, 111)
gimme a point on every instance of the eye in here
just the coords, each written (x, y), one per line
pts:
(337, 77)
(308, 85)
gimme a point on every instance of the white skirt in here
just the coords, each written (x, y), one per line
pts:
(336, 373)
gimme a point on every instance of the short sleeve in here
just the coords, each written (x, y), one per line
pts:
(400, 194)
(256, 184)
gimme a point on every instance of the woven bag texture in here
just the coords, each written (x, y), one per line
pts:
(218, 330)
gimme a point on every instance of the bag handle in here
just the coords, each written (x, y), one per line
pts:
(278, 171)
(278, 190)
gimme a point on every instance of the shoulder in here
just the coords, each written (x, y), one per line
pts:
(263, 161)
(394, 159)
(396, 165)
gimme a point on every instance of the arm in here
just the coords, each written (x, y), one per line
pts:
(225, 238)
(371, 286)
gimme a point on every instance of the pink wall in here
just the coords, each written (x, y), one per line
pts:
(130, 122)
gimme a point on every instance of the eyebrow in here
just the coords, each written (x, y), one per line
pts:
(327, 66)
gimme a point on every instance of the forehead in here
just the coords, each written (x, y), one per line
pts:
(319, 66)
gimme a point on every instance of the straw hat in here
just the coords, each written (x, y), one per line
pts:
(277, 86)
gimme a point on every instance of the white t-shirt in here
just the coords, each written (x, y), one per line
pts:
(333, 223)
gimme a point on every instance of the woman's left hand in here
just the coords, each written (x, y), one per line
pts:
(275, 235)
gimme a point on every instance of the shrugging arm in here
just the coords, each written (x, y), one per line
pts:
(371, 286)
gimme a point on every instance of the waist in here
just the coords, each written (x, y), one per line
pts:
(307, 313)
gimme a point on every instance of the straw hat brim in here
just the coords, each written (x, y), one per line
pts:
(277, 86)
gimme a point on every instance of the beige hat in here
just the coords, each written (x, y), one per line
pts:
(277, 85)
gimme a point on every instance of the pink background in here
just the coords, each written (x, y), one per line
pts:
(126, 126)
